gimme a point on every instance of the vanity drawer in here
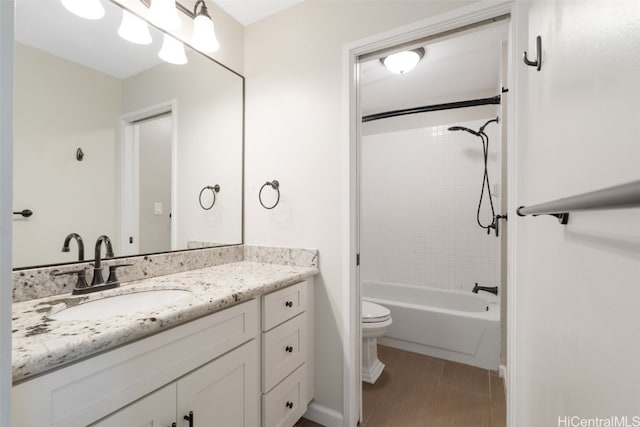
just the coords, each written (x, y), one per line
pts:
(284, 348)
(287, 402)
(281, 305)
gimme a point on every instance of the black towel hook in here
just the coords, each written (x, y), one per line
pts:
(538, 62)
(276, 186)
(26, 213)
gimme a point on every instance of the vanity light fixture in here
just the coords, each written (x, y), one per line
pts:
(164, 14)
(204, 37)
(134, 29)
(403, 62)
(88, 9)
(172, 51)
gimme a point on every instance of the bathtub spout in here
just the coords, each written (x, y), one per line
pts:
(492, 289)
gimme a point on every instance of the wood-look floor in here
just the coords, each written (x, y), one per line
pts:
(307, 423)
(416, 390)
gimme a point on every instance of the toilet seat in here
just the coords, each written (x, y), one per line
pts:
(374, 313)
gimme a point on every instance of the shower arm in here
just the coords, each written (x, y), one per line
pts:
(481, 130)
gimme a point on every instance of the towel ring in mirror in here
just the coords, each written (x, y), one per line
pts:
(214, 189)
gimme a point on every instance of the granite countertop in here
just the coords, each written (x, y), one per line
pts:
(41, 343)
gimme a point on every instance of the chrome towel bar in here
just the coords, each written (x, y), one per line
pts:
(616, 197)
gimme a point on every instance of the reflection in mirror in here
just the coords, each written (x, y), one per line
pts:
(152, 134)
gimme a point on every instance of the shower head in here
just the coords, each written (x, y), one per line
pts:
(455, 128)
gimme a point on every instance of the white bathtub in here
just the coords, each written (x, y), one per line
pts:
(459, 326)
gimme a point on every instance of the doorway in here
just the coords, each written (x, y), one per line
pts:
(148, 188)
(382, 195)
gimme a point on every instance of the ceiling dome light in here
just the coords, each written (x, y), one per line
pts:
(172, 51)
(134, 29)
(204, 37)
(164, 14)
(403, 62)
(88, 9)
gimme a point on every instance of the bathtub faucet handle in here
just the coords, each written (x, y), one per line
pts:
(490, 289)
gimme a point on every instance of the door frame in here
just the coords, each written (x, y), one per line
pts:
(457, 18)
(129, 166)
(6, 191)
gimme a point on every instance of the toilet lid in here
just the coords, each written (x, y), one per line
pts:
(372, 312)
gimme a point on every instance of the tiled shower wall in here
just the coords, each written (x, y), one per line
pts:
(419, 193)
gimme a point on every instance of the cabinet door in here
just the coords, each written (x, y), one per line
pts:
(155, 410)
(224, 392)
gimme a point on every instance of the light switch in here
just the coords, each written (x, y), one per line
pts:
(157, 208)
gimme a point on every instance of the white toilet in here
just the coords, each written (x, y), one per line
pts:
(375, 321)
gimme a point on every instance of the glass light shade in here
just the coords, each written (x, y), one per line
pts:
(88, 9)
(164, 14)
(172, 51)
(134, 29)
(401, 62)
(204, 36)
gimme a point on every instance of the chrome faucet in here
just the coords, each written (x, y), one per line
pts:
(97, 265)
(67, 241)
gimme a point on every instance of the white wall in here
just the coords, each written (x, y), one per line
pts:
(419, 194)
(56, 111)
(578, 286)
(293, 66)
(209, 138)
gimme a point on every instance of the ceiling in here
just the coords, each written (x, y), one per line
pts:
(464, 66)
(452, 69)
(249, 11)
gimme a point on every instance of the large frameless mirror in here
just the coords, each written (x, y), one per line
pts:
(110, 139)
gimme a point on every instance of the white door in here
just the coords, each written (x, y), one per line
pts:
(155, 410)
(577, 284)
(224, 392)
(148, 208)
(154, 180)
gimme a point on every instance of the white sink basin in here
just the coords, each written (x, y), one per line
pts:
(121, 304)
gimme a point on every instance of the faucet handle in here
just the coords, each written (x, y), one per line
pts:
(82, 278)
(112, 279)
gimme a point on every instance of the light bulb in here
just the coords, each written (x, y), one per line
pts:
(134, 29)
(164, 14)
(172, 51)
(204, 36)
(88, 9)
(402, 62)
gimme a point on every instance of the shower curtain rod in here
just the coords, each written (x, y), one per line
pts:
(435, 107)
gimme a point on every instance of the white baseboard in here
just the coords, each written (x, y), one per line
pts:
(323, 415)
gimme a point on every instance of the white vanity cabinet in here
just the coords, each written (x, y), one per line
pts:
(287, 368)
(208, 366)
(248, 365)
